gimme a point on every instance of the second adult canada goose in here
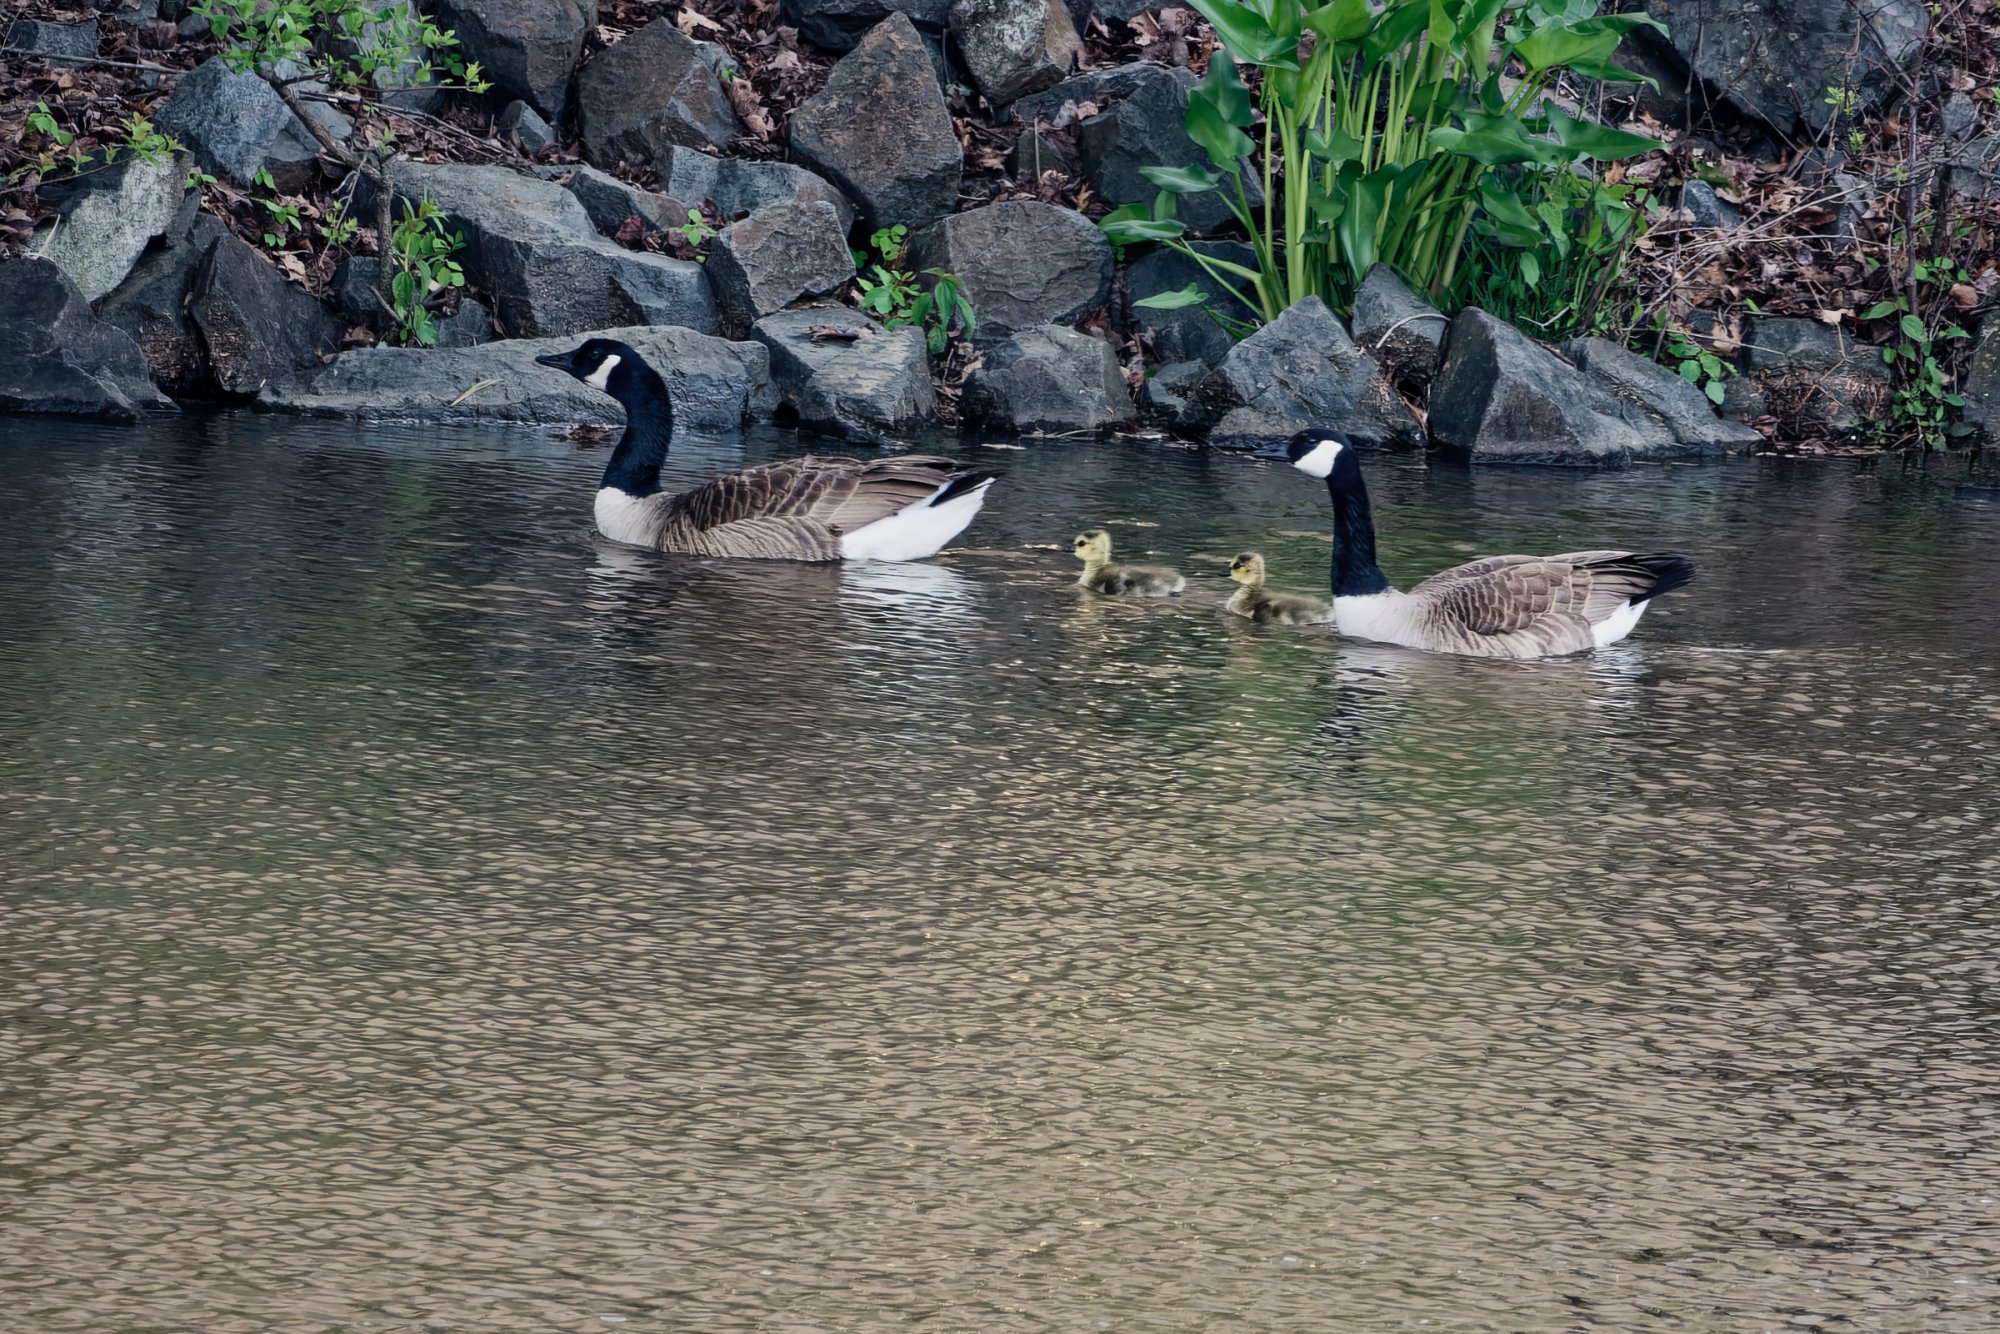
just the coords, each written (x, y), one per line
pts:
(1101, 576)
(813, 508)
(1263, 605)
(1499, 607)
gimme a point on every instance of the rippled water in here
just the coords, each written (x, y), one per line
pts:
(423, 916)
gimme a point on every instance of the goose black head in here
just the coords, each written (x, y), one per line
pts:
(602, 363)
(1314, 452)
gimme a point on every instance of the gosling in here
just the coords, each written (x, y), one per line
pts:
(1263, 606)
(1101, 576)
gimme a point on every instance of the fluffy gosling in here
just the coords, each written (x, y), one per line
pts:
(1101, 576)
(1263, 606)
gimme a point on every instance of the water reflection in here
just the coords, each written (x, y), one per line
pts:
(422, 915)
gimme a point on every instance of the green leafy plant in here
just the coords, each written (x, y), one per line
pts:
(315, 50)
(1551, 255)
(421, 269)
(937, 309)
(1694, 363)
(1381, 131)
(137, 138)
(695, 230)
(894, 296)
(1924, 396)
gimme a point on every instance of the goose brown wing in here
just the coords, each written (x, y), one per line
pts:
(839, 494)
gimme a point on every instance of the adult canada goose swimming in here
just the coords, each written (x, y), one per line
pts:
(1499, 607)
(1263, 605)
(1101, 576)
(812, 508)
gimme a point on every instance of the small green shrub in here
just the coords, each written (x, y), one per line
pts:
(422, 268)
(1924, 398)
(894, 296)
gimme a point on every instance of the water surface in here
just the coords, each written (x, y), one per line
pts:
(423, 916)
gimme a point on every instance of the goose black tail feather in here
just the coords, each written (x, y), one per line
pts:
(962, 484)
(1669, 572)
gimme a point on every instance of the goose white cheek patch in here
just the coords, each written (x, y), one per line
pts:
(601, 377)
(1319, 462)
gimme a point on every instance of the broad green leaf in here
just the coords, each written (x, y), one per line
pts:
(1341, 20)
(1331, 147)
(1879, 309)
(1913, 329)
(1191, 295)
(1247, 35)
(1218, 111)
(1715, 391)
(1181, 180)
(1594, 140)
(1137, 231)
(1531, 268)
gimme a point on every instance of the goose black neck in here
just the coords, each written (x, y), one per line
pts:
(1355, 573)
(649, 428)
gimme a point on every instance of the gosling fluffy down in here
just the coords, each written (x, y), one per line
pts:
(1101, 576)
(1265, 606)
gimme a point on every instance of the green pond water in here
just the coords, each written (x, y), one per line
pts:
(423, 916)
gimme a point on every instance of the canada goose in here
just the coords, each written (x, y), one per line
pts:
(812, 508)
(1262, 605)
(1499, 607)
(1101, 576)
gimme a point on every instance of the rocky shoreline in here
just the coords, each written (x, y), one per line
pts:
(634, 192)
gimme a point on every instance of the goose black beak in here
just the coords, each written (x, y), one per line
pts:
(559, 360)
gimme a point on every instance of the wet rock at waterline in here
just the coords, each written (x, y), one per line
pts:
(880, 130)
(255, 325)
(716, 385)
(1022, 263)
(610, 202)
(1398, 328)
(152, 306)
(764, 262)
(839, 25)
(841, 373)
(57, 357)
(526, 127)
(530, 246)
(1502, 397)
(1048, 380)
(1815, 380)
(106, 217)
(738, 187)
(236, 125)
(1648, 395)
(656, 90)
(1772, 60)
(528, 48)
(1303, 370)
(1187, 333)
(1012, 47)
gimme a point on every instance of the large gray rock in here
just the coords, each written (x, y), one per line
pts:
(1815, 380)
(255, 325)
(1022, 263)
(1012, 47)
(57, 43)
(880, 130)
(106, 218)
(839, 25)
(1037, 153)
(770, 259)
(1187, 333)
(1502, 397)
(657, 90)
(55, 356)
(1648, 395)
(151, 306)
(530, 246)
(715, 385)
(528, 48)
(737, 187)
(1303, 370)
(1048, 380)
(610, 201)
(1172, 395)
(1096, 88)
(1147, 128)
(874, 387)
(1980, 385)
(1398, 328)
(1773, 60)
(236, 124)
